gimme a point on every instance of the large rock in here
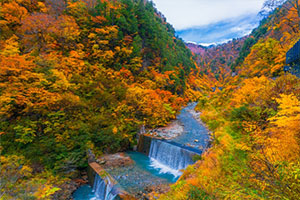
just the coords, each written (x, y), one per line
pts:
(173, 130)
(115, 160)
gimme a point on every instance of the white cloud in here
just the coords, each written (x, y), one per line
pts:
(183, 14)
(221, 31)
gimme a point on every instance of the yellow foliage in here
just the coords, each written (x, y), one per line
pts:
(42, 7)
(251, 91)
(44, 192)
(11, 47)
(115, 130)
(284, 134)
(61, 83)
(289, 112)
(266, 58)
(13, 12)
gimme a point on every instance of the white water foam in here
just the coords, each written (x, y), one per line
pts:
(163, 169)
(172, 156)
(103, 188)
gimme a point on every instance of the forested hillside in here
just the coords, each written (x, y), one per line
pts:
(255, 119)
(83, 76)
(80, 75)
(213, 58)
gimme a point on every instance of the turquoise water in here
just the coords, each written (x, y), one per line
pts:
(84, 192)
(144, 162)
(140, 176)
(147, 172)
(134, 178)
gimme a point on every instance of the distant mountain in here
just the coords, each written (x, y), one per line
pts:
(215, 56)
(196, 48)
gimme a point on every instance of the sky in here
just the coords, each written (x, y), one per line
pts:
(211, 21)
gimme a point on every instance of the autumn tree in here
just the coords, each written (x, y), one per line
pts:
(287, 6)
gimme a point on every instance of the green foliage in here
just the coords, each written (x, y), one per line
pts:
(197, 157)
(213, 124)
(18, 181)
(249, 42)
(196, 194)
(70, 72)
(254, 119)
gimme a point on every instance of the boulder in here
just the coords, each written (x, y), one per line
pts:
(115, 160)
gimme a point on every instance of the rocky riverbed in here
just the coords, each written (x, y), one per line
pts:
(131, 171)
(117, 160)
(188, 129)
(173, 130)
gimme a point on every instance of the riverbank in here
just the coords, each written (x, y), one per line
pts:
(166, 150)
(176, 127)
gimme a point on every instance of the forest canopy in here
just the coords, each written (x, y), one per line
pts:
(78, 75)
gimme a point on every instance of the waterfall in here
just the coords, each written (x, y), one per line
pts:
(170, 157)
(104, 189)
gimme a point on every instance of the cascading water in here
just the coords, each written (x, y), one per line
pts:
(162, 166)
(104, 189)
(170, 157)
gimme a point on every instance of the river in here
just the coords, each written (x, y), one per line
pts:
(164, 163)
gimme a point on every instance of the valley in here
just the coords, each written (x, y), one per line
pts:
(102, 99)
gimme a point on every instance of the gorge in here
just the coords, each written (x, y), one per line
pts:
(79, 79)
